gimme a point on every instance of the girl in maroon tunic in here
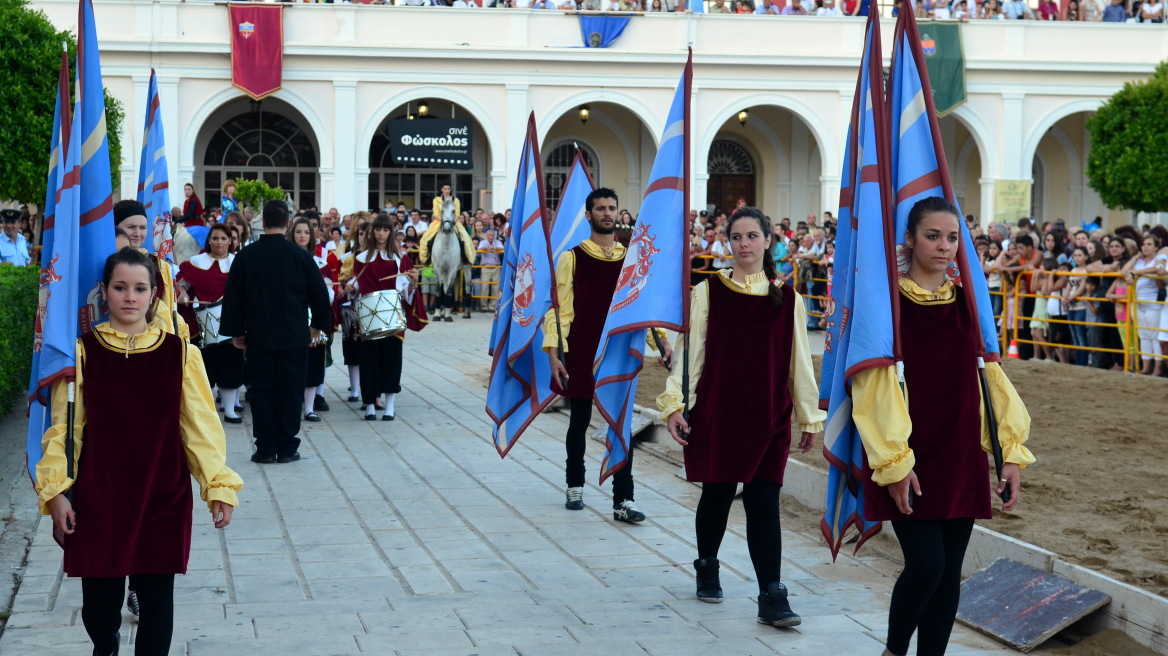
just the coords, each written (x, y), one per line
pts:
(302, 234)
(751, 367)
(127, 509)
(927, 470)
(377, 268)
(203, 278)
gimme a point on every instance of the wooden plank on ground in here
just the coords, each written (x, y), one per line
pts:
(1023, 606)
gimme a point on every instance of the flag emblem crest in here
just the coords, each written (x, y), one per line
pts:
(524, 292)
(634, 276)
(162, 239)
(928, 45)
(596, 39)
(48, 276)
(246, 29)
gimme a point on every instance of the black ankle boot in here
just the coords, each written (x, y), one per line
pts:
(774, 609)
(709, 587)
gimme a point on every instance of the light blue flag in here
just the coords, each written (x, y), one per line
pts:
(153, 178)
(520, 384)
(860, 329)
(81, 233)
(571, 226)
(919, 169)
(38, 392)
(653, 287)
(97, 193)
(510, 251)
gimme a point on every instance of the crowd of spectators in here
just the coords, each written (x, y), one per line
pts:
(1116, 11)
(1046, 274)
(1081, 276)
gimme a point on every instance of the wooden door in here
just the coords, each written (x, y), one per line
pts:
(725, 189)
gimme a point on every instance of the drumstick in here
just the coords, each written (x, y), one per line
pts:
(394, 275)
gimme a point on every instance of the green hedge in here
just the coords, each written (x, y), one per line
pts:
(18, 301)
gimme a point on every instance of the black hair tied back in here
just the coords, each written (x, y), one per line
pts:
(768, 260)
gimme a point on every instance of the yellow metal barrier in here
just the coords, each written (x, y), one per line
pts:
(1128, 328)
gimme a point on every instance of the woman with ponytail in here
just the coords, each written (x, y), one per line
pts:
(751, 381)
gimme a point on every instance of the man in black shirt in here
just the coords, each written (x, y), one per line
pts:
(270, 289)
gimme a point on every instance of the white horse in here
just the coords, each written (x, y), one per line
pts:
(446, 258)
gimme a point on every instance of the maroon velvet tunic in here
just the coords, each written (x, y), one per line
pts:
(133, 491)
(593, 284)
(369, 279)
(939, 344)
(740, 428)
(207, 285)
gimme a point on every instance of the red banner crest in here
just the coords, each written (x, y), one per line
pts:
(257, 48)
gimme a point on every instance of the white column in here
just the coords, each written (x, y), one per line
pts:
(829, 194)
(518, 109)
(168, 98)
(1012, 139)
(698, 191)
(132, 124)
(344, 192)
(360, 192)
(987, 201)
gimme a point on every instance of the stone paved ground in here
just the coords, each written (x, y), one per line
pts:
(414, 537)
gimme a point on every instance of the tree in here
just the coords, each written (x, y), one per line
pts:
(31, 59)
(1129, 146)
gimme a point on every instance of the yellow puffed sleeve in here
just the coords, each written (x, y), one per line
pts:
(347, 268)
(880, 410)
(1013, 419)
(806, 416)
(51, 471)
(672, 399)
(565, 275)
(202, 435)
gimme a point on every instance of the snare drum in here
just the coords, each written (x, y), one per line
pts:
(350, 329)
(210, 315)
(380, 314)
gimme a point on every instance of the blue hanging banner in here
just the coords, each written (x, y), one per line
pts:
(601, 31)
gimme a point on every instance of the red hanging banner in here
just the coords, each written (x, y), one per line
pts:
(257, 47)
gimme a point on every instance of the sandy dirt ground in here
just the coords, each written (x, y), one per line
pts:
(1098, 494)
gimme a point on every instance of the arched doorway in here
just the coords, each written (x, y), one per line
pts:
(416, 184)
(258, 141)
(731, 172)
(616, 143)
(558, 164)
(767, 155)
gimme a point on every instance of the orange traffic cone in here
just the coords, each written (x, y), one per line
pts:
(1012, 352)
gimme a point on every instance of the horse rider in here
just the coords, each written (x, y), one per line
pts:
(446, 208)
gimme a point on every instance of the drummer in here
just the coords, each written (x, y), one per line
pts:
(350, 348)
(303, 235)
(378, 268)
(203, 279)
(130, 217)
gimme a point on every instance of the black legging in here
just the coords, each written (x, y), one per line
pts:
(760, 499)
(101, 612)
(575, 443)
(925, 596)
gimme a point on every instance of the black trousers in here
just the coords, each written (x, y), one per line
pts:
(277, 397)
(224, 365)
(316, 362)
(764, 537)
(622, 480)
(926, 595)
(381, 367)
(101, 612)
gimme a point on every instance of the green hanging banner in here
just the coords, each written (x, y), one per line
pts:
(945, 59)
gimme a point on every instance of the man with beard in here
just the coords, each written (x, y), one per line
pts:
(586, 279)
